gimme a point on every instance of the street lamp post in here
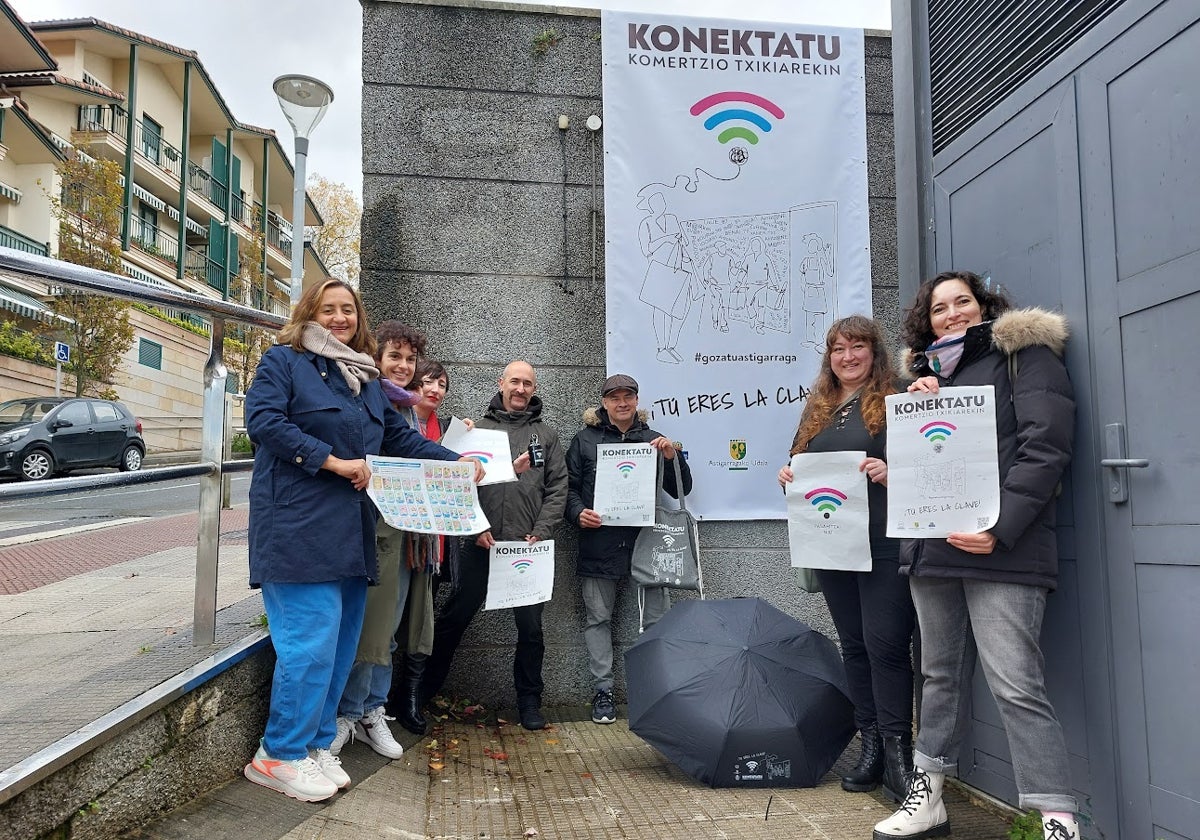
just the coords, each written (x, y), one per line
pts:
(303, 100)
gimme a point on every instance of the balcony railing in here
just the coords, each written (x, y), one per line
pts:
(110, 118)
(157, 150)
(198, 266)
(9, 238)
(279, 234)
(239, 210)
(203, 182)
(153, 241)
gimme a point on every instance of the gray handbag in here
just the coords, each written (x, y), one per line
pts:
(667, 553)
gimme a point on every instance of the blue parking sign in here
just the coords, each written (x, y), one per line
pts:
(62, 352)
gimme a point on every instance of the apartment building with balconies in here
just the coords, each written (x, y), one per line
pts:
(200, 189)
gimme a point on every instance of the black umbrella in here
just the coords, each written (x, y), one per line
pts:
(737, 693)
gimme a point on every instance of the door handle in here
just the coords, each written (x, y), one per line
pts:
(1117, 481)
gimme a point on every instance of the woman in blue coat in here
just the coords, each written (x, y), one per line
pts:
(315, 412)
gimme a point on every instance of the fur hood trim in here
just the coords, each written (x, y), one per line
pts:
(591, 416)
(1015, 330)
(1020, 328)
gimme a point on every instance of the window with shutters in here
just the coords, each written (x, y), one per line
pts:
(150, 353)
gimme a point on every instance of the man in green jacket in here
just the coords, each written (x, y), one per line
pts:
(526, 509)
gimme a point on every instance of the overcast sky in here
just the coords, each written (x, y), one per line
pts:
(245, 44)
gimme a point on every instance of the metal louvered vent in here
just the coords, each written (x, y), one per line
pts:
(982, 50)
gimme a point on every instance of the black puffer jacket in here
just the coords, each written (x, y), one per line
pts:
(1035, 425)
(534, 502)
(604, 552)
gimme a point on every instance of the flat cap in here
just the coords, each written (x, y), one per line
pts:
(619, 382)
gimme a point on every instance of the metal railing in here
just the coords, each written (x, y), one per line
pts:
(200, 180)
(110, 118)
(211, 468)
(198, 265)
(9, 238)
(153, 241)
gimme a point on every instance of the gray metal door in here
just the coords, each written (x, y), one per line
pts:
(1008, 208)
(1139, 125)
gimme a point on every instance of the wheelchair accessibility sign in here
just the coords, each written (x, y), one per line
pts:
(62, 352)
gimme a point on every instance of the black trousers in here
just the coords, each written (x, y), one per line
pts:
(874, 616)
(458, 612)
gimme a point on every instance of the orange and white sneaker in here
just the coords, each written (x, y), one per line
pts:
(298, 778)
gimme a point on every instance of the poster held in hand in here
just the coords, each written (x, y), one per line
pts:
(626, 483)
(519, 574)
(490, 446)
(943, 467)
(426, 497)
(828, 517)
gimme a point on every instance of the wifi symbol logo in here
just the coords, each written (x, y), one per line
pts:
(826, 500)
(729, 116)
(752, 766)
(669, 540)
(938, 430)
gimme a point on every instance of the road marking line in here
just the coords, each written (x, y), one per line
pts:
(75, 529)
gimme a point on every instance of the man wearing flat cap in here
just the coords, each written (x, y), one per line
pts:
(605, 550)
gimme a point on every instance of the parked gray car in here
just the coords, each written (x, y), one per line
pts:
(42, 436)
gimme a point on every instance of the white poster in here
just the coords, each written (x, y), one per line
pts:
(735, 194)
(943, 470)
(490, 446)
(626, 483)
(426, 497)
(828, 519)
(519, 574)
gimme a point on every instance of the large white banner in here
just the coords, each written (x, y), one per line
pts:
(943, 466)
(735, 193)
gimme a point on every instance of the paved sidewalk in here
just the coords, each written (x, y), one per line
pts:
(92, 620)
(574, 780)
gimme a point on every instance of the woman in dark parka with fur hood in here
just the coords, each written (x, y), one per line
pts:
(982, 596)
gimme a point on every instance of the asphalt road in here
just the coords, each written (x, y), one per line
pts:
(88, 507)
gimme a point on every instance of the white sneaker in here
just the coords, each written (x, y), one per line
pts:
(299, 778)
(374, 730)
(1057, 829)
(921, 814)
(331, 766)
(345, 732)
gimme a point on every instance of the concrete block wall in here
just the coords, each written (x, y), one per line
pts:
(463, 199)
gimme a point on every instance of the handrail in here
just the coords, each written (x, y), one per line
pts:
(212, 467)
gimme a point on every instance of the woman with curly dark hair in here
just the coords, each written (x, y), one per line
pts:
(981, 596)
(872, 611)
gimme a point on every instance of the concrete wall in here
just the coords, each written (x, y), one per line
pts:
(462, 236)
(189, 747)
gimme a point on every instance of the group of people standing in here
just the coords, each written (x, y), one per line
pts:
(332, 392)
(344, 591)
(975, 597)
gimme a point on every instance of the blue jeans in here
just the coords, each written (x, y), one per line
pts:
(369, 683)
(998, 624)
(314, 629)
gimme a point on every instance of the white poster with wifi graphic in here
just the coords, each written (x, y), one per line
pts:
(828, 518)
(519, 574)
(943, 467)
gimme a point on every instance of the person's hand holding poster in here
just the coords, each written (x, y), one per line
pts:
(427, 497)
(626, 483)
(828, 518)
(519, 574)
(488, 445)
(943, 470)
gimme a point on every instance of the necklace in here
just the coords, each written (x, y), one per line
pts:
(845, 411)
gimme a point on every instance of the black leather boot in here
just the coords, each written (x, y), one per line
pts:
(897, 766)
(409, 713)
(866, 774)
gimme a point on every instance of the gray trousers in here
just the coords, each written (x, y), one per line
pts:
(599, 598)
(998, 624)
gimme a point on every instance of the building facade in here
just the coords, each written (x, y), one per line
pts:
(203, 193)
